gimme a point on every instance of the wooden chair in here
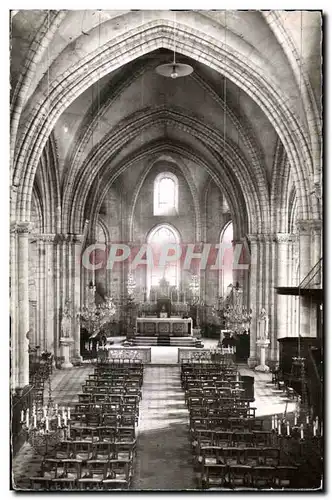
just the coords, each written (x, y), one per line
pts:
(92, 475)
(67, 480)
(263, 476)
(286, 476)
(240, 475)
(214, 475)
(118, 475)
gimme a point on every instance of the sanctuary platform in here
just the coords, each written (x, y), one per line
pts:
(169, 331)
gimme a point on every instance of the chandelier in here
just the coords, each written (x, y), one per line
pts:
(46, 425)
(234, 315)
(195, 287)
(94, 316)
(131, 285)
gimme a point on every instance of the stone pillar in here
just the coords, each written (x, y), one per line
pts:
(51, 343)
(76, 250)
(13, 308)
(262, 292)
(254, 284)
(21, 342)
(305, 305)
(283, 242)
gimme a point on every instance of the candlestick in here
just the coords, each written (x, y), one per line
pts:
(288, 431)
(302, 434)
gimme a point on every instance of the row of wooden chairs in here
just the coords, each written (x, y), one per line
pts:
(76, 474)
(238, 476)
(230, 438)
(226, 423)
(101, 442)
(94, 450)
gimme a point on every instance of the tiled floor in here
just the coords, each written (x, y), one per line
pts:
(164, 459)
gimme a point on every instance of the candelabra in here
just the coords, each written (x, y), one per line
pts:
(46, 426)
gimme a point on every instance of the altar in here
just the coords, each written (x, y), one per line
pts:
(173, 326)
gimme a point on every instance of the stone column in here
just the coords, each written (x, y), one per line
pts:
(283, 242)
(13, 308)
(22, 327)
(305, 265)
(254, 284)
(76, 250)
(261, 291)
(51, 343)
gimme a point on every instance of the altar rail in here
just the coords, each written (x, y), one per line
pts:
(131, 353)
(209, 355)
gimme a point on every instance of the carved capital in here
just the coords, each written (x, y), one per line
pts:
(285, 237)
(253, 238)
(46, 237)
(21, 227)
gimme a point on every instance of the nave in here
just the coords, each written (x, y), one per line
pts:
(173, 451)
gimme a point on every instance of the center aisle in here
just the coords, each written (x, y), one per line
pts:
(164, 458)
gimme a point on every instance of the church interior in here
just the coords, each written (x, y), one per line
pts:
(166, 243)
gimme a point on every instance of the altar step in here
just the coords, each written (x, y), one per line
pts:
(173, 341)
(164, 339)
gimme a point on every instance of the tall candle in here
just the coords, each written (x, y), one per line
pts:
(56, 408)
(46, 424)
(287, 426)
(321, 428)
(295, 419)
(59, 421)
(65, 421)
(35, 421)
(272, 422)
(307, 420)
(314, 429)
(279, 427)
(22, 415)
(63, 412)
(44, 411)
(68, 412)
(27, 418)
(34, 410)
(302, 434)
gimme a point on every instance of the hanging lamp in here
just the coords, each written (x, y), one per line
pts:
(174, 69)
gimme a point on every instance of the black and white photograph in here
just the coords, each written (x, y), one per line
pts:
(166, 321)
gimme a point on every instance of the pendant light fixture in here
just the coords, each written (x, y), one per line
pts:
(174, 69)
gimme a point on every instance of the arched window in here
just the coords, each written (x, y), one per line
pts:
(226, 274)
(165, 194)
(161, 235)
